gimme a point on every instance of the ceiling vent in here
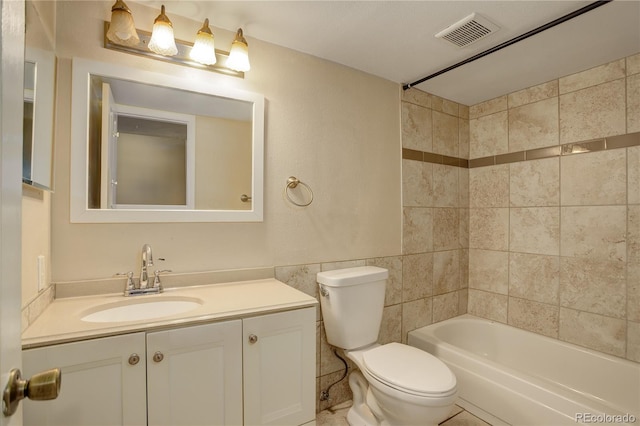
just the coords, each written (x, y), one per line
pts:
(468, 30)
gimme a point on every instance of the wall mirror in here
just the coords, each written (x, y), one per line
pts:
(39, 75)
(150, 147)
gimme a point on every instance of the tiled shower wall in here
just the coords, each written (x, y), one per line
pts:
(555, 240)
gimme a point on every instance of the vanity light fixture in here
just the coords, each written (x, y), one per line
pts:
(239, 55)
(162, 40)
(203, 49)
(122, 30)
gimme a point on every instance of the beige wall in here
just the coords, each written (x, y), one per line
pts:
(335, 128)
(554, 242)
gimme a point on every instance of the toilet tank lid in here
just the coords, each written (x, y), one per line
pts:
(352, 276)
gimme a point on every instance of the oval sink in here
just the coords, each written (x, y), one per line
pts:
(140, 310)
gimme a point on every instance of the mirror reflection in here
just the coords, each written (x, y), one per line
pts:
(162, 148)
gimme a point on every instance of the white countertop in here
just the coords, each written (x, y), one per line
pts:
(61, 321)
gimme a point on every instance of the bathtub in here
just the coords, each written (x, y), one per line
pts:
(511, 376)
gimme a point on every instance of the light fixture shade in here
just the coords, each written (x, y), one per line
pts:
(162, 41)
(204, 50)
(122, 30)
(239, 55)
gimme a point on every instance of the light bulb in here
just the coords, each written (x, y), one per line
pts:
(162, 41)
(239, 55)
(203, 49)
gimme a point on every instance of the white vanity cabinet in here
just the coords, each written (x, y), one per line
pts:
(255, 370)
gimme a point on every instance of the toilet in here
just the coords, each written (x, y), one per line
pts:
(397, 384)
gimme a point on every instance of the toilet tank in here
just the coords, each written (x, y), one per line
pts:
(352, 301)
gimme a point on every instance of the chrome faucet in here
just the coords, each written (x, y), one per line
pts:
(147, 260)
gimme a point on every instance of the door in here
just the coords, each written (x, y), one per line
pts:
(104, 382)
(11, 79)
(194, 375)
(279, 368)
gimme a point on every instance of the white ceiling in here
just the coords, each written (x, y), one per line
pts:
(395, 39)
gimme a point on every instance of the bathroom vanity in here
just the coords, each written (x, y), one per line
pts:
(244, 355)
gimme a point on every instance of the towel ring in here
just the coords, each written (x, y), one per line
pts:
(293, 182)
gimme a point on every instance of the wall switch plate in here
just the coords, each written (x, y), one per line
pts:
(42, 276)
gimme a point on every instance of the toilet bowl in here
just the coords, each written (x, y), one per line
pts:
(396, 384)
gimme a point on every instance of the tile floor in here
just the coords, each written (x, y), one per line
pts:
(337, 416)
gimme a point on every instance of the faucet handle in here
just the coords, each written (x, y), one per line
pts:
(130, 285)
(156, 278)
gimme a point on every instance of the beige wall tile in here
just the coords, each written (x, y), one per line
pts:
(488, 107)
(463, 138)
(489, 271)
(463, 301)
(633, 292)
(330, 266)
(534, 125)
(593, 286)
(592, 77)
(445, 306)
(329, 363)
(633, 341)
(446, 229)
(463, 215)
(444, 105)
(415, 314)
(393, 293)
(416, 230)
(391, 325)
(445, 134)
(535, 230)
(417, 96)
(633, 103)
(533, 94)
(463, 111)
(593, 331)
(445, 186)
(417, 185)
(488, 135)
(417, 276)
(489, 186)
(594, 112)
(595, 232)
(597, 178)
(633, 175)
(464, 268)
(301, 277)
(633, 234)
(535, 183)
(416, 127)
(633, 64)
(534, 316)
(463, 187)
(340, 393)
(446, 271)
(489, 228)
(534, 277)
(488, 305)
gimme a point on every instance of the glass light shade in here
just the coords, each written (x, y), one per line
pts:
(239, 55)
(162, 41)
(204, 50)
(122, 30)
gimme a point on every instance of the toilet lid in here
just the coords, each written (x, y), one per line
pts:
(407, 368)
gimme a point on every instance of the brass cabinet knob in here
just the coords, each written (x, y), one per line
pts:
(41, 387)
(134, 359)
(253, 338)
(158, 356)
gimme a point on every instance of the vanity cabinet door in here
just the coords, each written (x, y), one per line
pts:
(279, 368)
(194, 375)
(103, 382)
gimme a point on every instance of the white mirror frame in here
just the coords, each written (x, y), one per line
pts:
(79, 211)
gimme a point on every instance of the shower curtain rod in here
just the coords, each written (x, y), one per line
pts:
(514, 40)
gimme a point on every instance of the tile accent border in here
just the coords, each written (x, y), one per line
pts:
(603, 144)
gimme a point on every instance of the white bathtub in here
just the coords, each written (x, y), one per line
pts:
(511, 376)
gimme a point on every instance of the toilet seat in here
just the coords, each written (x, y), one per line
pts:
(409, 370)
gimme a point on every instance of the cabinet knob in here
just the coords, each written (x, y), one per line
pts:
(253, 338)
(158, 356)
(134, 359)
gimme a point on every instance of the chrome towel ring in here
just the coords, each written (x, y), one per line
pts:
(293, 182)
